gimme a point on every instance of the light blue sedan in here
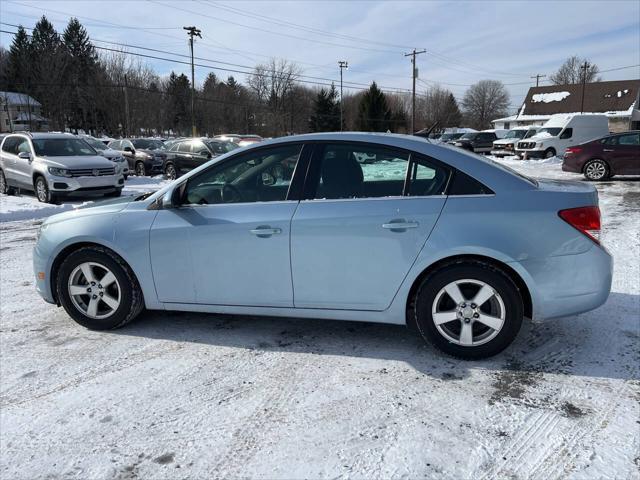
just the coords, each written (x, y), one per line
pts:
(365, 227)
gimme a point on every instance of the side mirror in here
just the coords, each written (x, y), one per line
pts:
(268, 179)
(171, 199)
(24, 155)
(129, 149)
(208, 155)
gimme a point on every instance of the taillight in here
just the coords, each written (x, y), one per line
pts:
(573, 150)
(584, 219)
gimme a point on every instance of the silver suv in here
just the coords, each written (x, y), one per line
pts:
(56, 165)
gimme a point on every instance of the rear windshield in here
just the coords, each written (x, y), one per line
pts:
(97, 144)
(61, 147)
(148, 144)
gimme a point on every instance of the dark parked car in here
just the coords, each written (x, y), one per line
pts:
(450, 137)
(478, 142)
(605, 157)
(145, 156)
(187, 154)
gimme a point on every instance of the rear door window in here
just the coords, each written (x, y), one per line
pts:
(630, 140)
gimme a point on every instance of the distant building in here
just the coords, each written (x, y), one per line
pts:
(618, 100)
(20, 112)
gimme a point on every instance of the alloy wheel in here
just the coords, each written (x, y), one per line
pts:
(42, 192)
(140, 170)
(171, 172)
(3, 183)
(468, 312)
(94, 290)
(596, 170)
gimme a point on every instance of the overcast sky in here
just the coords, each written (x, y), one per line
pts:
(466, 41)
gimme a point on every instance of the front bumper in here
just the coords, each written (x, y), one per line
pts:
(502, 153)
(571, 284)
(81, 185)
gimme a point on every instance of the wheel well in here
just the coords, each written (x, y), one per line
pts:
(510, 272)
(36, 175)
(64, 253)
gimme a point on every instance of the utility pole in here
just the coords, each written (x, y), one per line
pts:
(342, 64)
(584, 67)
(538, 77)
(192, 32)
(126, 107)
(414, 75)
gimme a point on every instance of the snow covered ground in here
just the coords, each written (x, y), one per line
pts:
(194, 396)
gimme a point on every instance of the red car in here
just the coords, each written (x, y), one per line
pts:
(605, 157)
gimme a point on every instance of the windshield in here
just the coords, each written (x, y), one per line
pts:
(61, 147)
(450, 136)
(220, 148)
(468, 136)
(148, 144)
(515, 134)
(553, 132)
(97, 144)
(530, 133)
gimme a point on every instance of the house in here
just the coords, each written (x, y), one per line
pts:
(618, 100)
(20, 112)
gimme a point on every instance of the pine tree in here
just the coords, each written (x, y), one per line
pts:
(373, 113)
(179, 91)
(79, 72)
(19, 63)
(326, 111)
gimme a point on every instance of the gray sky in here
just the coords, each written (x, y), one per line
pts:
(466, 40)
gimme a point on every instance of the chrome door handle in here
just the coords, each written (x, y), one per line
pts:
(265, 231)
(398, 225)
(607, 150)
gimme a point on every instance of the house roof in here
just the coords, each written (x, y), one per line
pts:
(15, 98)
(599, 97)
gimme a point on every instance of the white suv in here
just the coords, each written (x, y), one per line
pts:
(56, 165)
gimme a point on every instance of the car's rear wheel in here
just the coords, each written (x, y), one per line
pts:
(98, 289)
(5, 188)
(43, 194)
(141, 171)
(170, 171)
(549, 152)
(596, 170)
(469, 310)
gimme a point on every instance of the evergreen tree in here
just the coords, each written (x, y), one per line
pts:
(19, 62)
(179, 91)
(373, 113)
(80, 73)
(326, 111)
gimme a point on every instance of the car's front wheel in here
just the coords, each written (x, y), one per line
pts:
(469, 310)
(98, 289)
(596, 170)
(549, 153)
(42, 191)
(170, 171)
(141, 171)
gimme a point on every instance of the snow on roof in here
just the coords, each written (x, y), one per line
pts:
(28, 117)
(527, 118)
(550, 97)
(14, 98)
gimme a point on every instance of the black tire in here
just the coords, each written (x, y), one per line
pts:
(500, 282)
(126, 176)
(115, 193)
(170, 171)
(549, 152)
(596, 169)
(141, 170)
(41, 189)
(5, 188)
(131, 303)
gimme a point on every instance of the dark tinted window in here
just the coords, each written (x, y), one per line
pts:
(10, 144)
(199, 148)
(567, 133)
(260, 176)
(220, 148)
(633, 139)
(184, 147)
(148, 144)
(463, 184)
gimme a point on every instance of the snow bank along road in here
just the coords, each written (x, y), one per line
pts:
(185, 395)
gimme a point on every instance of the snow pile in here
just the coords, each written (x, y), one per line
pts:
(549, 97)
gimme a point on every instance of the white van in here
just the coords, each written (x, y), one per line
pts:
(562, 131)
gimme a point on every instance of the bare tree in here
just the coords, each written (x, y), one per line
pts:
(485, 101)
(271, 83)
(571, 72)
(438, 105)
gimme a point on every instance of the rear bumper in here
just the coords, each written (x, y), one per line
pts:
(570, 284)
(571, 165)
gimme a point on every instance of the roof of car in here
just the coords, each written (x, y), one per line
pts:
(42, 135)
